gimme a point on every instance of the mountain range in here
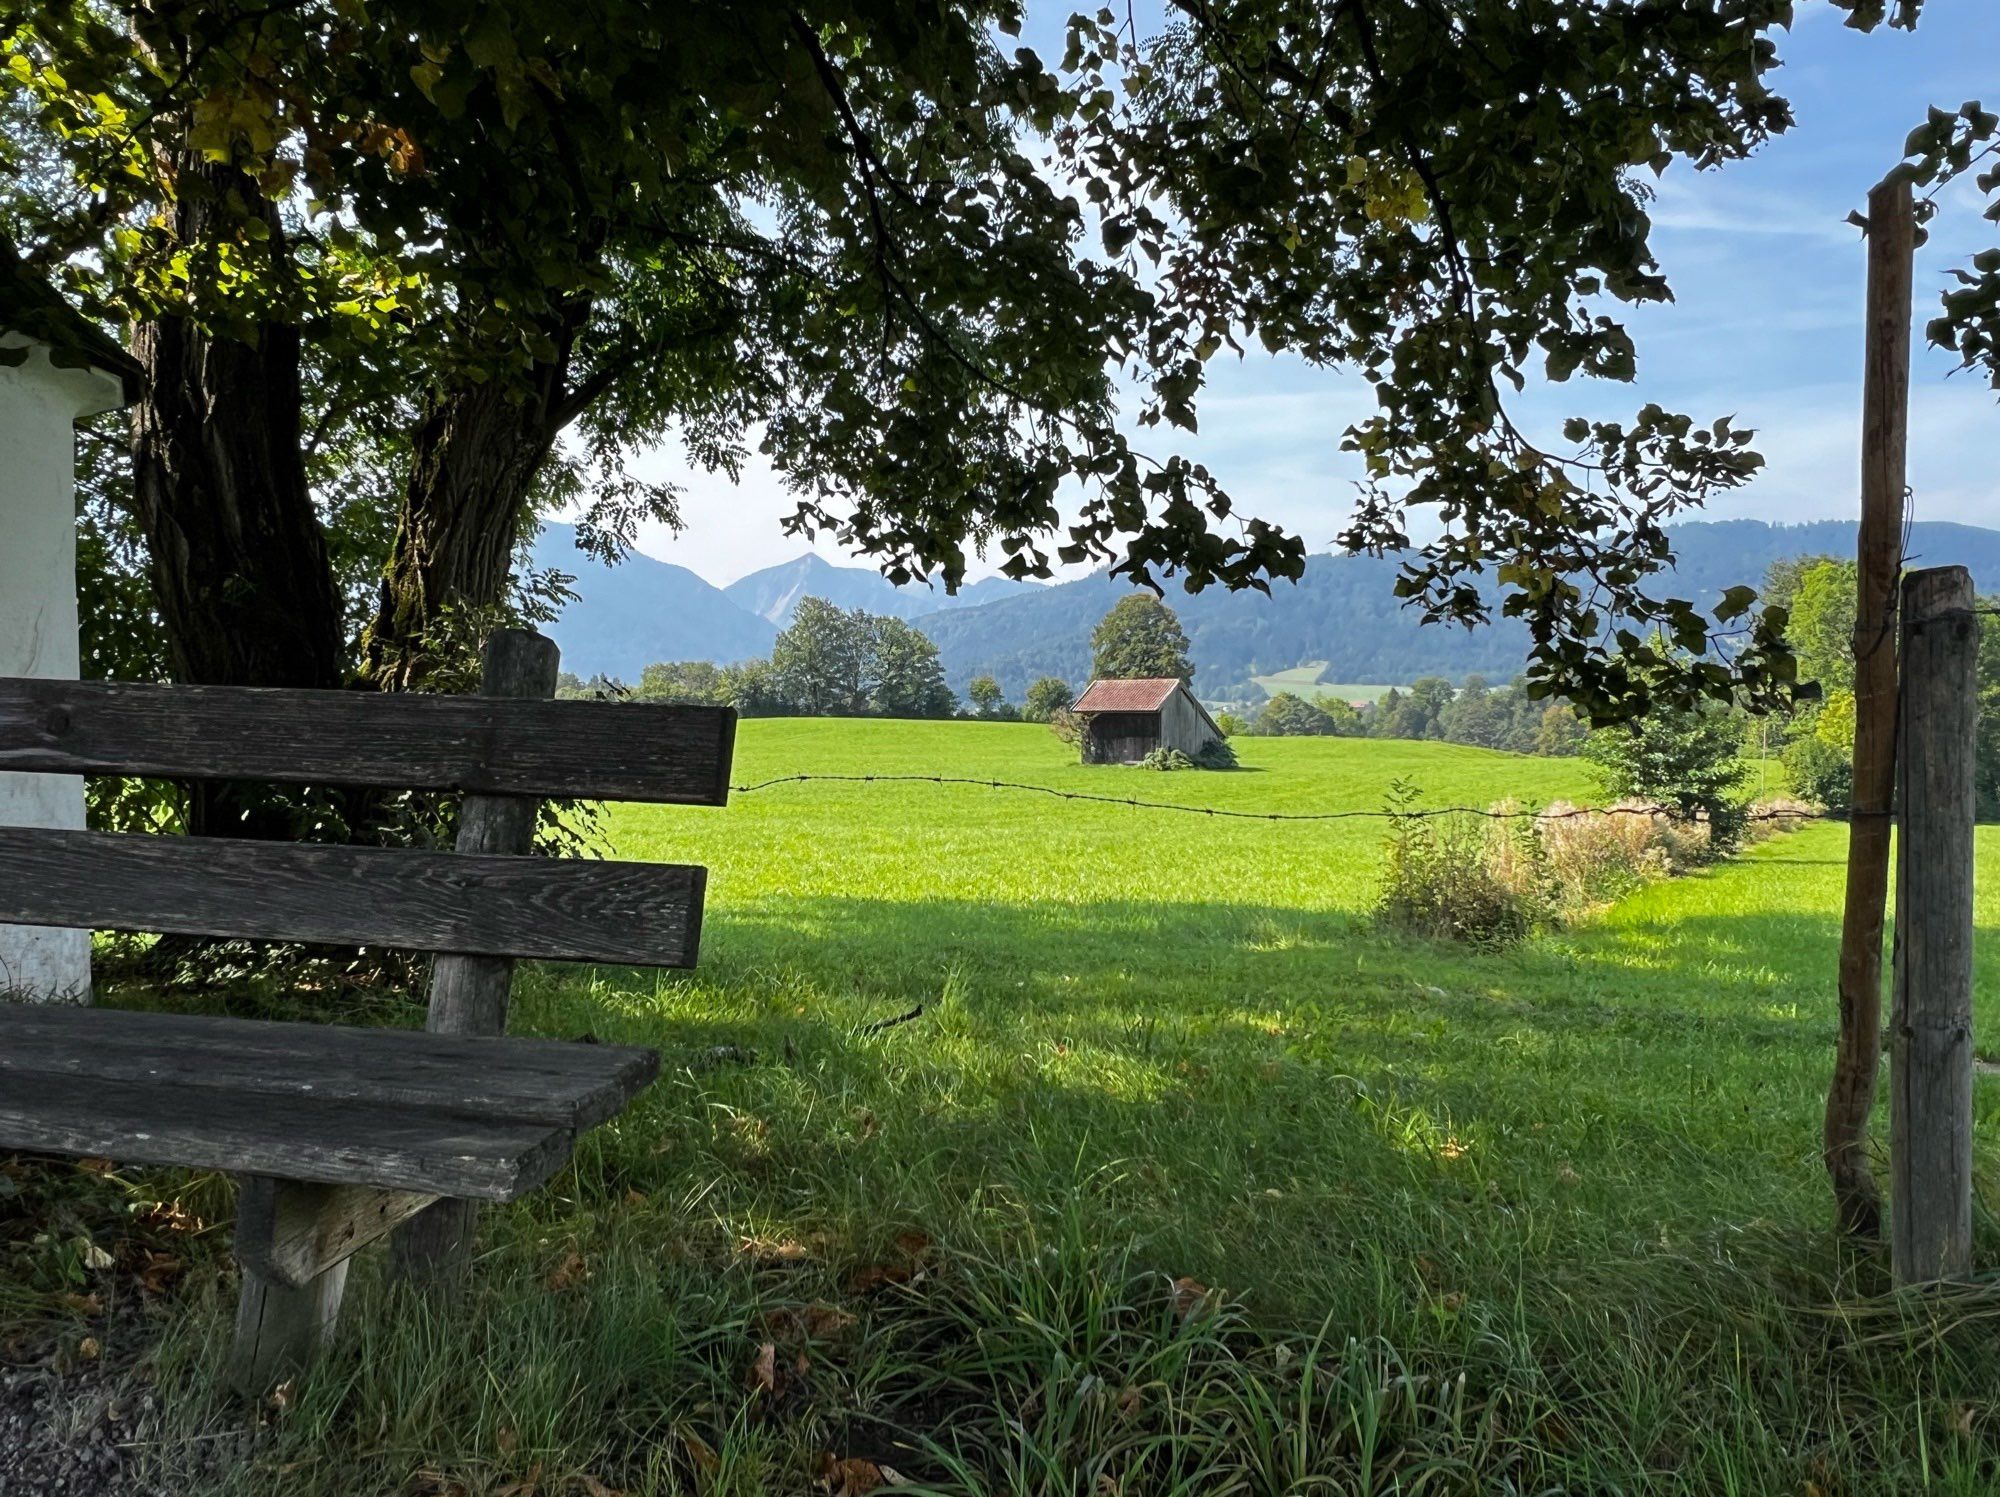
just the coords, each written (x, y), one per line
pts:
(1342, 611)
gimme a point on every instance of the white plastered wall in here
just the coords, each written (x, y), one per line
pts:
(39, 406)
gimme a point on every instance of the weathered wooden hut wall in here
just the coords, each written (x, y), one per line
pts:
(1184, 726)
(1121, 737)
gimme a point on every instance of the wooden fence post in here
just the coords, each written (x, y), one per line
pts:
(1930, 1065)
(469, 993)
(1885, 401)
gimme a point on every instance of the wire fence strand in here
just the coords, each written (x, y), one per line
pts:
(1419, 813)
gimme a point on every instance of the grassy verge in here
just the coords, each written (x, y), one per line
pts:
(1183, 1181)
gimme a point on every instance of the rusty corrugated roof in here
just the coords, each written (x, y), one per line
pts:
(1146, 694)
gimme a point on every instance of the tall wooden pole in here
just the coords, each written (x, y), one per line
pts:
(1930, 1030)
(469, 993)
(1885, 399)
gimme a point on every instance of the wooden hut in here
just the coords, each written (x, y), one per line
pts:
(1124, 721)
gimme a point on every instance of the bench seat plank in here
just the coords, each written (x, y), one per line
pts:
(555, 1082)
(305, 1138)
(558, 909)
(640, 751)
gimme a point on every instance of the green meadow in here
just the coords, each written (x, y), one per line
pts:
(1021, 1145)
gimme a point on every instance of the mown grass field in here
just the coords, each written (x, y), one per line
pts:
(1544, 1219)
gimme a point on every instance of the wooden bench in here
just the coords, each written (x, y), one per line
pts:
(342, 1135)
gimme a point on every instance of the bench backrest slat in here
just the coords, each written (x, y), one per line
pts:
(559, 909)
(395, 740)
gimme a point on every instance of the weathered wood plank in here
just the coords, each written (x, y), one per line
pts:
(289, 1233)
(555, 1082)
(469, 993)
(335, 1143)
(1930, 1070)
(567, 909)
(280, 1330)
(638, 751)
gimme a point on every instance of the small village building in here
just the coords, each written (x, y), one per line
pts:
(55, 369)
(1123, 721)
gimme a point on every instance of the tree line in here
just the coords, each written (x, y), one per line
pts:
(829, 662)
(1474, 712)
(1817, 736)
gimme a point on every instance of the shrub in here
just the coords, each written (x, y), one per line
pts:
(1819, 771)
(1067, 726)
(1687, 759)
(1166, 759)
(1216, 755)
(1441, 878)
(1589, 860)
(1779, 813)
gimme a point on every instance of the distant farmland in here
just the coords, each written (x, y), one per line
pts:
(1304, 680)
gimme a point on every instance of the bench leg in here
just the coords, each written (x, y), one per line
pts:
(433, 1249)
(293, 1241)
(279, 1330)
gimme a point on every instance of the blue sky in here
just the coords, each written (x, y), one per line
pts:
(1766, 325)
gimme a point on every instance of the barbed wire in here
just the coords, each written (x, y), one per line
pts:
(1420, 813)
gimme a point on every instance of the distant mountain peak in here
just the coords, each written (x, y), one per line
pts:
(773, 593)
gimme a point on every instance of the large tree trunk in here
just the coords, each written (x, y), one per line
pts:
(239, 562)
(476, 454)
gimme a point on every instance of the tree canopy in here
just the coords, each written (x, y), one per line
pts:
(1140, 637)
(429, 266)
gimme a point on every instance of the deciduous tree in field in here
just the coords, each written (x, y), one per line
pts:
(699, 681)
(987, 699)
(1140, 636)
(1687, 758)
(820, 662)
(1047, 696)
(1288, 715)
(907, 675)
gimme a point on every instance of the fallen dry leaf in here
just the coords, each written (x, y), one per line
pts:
(592, 1487)
(507, 1440)
(1191, 1297)
(807, 1322)
(570, 1272)
(764, 1371)
(88, 1349)
(913, 1250)
(854, 1477)
(700, 1452)
(772, 1254)
(84, 1304)
(159, 1272)
(1130, 1401)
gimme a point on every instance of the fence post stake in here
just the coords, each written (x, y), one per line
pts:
(1885, 399)
(1930, 1066)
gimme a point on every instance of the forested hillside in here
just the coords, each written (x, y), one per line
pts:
(1344, 612)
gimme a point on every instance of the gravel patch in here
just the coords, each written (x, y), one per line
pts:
(95, 1429)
